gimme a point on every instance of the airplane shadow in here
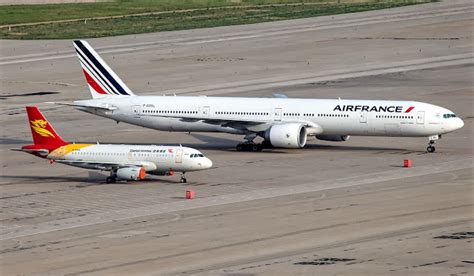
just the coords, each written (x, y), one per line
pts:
(223, 144)
(50, 179)
(319, 147)
(339, 148)
(359, 148)
(228, 145)
(83, 181)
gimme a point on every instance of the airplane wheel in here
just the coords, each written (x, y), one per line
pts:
(183, 180)
(109, 180)
(249, 147)
(257, 147)
(430, 149)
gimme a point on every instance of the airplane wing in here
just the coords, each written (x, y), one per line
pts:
(280, 95)
(243, 124)
(106, 166)
(213, 121)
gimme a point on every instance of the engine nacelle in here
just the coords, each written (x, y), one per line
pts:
(131, 173)
(333, 138)
(290, 135)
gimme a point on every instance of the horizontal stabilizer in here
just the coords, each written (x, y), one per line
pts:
(101, 106)
(38, 151)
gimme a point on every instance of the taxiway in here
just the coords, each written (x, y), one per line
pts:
(332, 208)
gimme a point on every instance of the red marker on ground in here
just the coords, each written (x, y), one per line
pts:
(407, 163)
(189, 194)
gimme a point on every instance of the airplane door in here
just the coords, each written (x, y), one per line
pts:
(205, 111)
(137, 110)
(420, 117)
(178, 158)
(277, 114)
(363, 117)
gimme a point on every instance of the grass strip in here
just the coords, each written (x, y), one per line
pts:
(194, 17)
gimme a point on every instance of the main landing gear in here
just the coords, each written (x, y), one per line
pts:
(183, 178)
(112, 178)
(249, 144)
(249, 147)
(432, 139)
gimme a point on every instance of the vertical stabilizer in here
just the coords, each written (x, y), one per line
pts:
(102, 81)
(42, 131)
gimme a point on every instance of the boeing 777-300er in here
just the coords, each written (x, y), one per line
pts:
(280, 121)
(125, 162)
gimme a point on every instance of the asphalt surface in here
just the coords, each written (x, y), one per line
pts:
(345, 208)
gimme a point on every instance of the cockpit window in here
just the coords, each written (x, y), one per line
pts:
(195, 155)
(449, 115)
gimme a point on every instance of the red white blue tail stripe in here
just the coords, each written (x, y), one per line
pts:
(102, 81)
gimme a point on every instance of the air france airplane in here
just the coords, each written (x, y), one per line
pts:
(125, 162)
(280, 121)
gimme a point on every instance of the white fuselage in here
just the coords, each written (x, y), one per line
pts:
(154, 159)
(335, 117)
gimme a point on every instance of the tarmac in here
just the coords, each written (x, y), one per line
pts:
(332, 208)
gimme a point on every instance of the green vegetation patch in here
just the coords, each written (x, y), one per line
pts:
(181, 15)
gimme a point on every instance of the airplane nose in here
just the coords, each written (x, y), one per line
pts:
(205, 163)
(208, 163)
(458, 123)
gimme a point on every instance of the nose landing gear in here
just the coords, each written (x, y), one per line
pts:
(432, 139)
(430, 147)
(183, 178)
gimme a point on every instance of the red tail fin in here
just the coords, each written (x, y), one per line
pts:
(42, 131)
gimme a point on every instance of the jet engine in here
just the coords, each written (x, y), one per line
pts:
(290, 135)
(131, 173)
(333, 138)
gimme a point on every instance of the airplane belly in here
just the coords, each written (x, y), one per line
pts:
(393, 129)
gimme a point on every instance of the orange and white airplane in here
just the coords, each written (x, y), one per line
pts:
(125, 162)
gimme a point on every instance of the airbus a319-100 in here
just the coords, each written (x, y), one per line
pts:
(280, 121)
(125, 162)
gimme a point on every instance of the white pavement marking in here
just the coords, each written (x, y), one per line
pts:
(157, 209)
(336, 23)
(286, 80)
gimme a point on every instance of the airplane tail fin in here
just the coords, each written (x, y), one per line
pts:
(42, 131)
(102, 81)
